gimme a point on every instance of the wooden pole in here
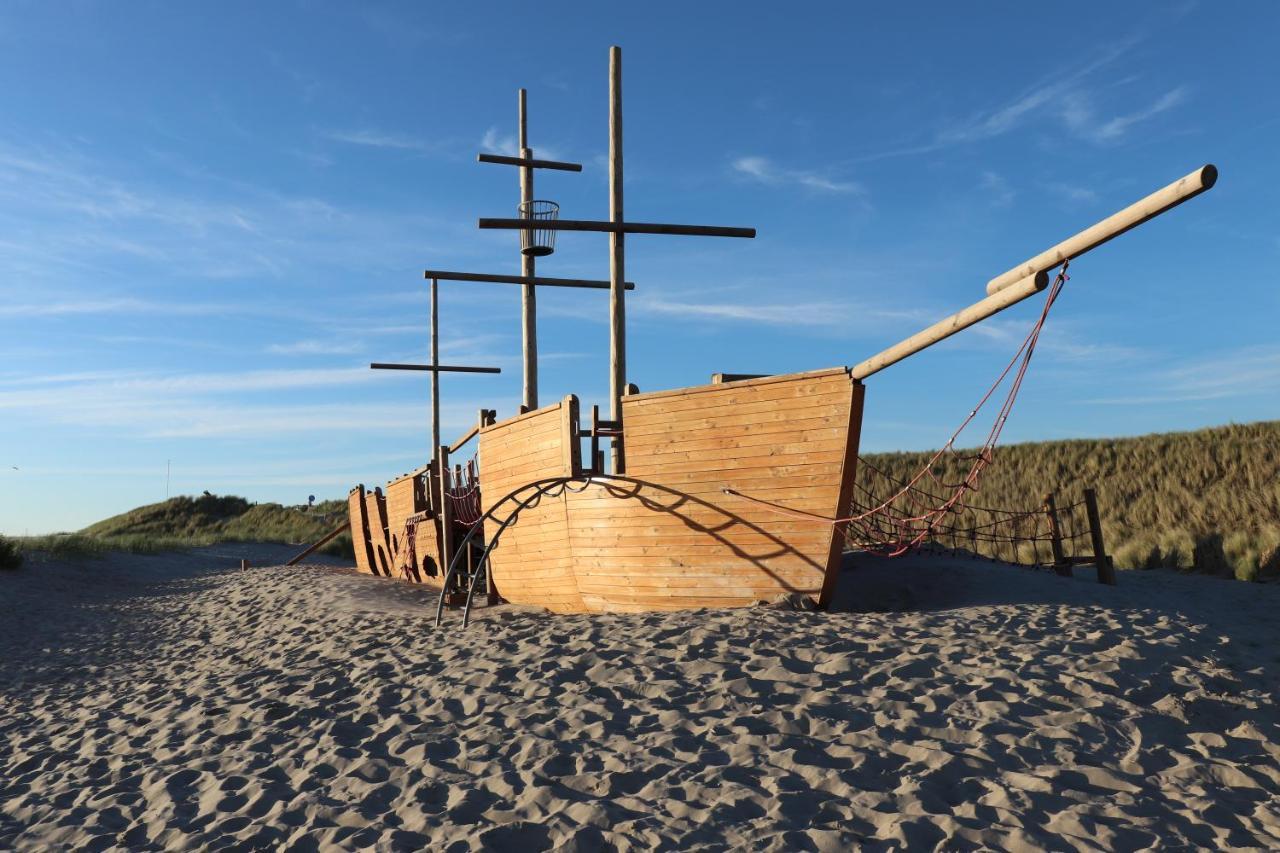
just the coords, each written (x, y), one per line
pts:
(611, 226)
(528, 297)
(345, 525)
(944, 329)
(541, 280)
(1060, 564)
(617, 258)
(1158, 202)
(444, 518)
(435, 362)
(531, 163)
(1106, 571)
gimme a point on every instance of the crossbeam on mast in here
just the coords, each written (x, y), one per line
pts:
(529, 162)
(620, 227)
(434, 368)
(539, 280)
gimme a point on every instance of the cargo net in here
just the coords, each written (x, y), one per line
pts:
(1049, 535)
(462, 491)
(892, 517)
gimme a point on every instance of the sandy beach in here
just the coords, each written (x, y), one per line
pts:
(175, 702)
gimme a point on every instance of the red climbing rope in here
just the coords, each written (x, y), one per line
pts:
(910, 515)
(464, 495)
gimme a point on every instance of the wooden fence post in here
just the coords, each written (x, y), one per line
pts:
(1106, 571)
(444, 516)
(1060, 564)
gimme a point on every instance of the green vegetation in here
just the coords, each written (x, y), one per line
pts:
(185, 522)
(10, 555)
(1207, 500)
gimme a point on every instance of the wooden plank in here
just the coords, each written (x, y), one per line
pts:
(848, 479)
(766, 416)
(358, 514)
(376, 508)
(571, 445)
(749, 383)
(619, 228)
(745, 400)
(433, 368)
(528, 162)
(539, 280)
(524, 416)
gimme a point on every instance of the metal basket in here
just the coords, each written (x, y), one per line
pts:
(536, 241)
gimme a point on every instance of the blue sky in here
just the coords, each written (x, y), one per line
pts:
(214, 216)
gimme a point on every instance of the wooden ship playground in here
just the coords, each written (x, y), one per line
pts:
(741, 490)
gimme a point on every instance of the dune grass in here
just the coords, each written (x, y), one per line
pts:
(1207, 500)
(186, 522)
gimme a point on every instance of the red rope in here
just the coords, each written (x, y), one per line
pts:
(889, 530)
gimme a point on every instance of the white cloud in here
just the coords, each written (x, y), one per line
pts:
(1248, 372)
(812, 314)
(315, 347)
(496, 142)
(1001, 193)
(764, 171)
(1072, 193)
(1080, 118)
(378, 139)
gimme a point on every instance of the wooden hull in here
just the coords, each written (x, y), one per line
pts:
(381, 526)
(666, 536)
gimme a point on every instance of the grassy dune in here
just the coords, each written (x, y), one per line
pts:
(185, 522)
(1207, 500)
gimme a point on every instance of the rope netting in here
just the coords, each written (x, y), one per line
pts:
(902, 516)
(462, 490)
(1023, 536)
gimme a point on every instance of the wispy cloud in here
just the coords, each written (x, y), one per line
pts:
(496, 142)
(1251, 371)
(764, 171)
(378, 139)
(799, 313)
(315, 347)
(1072, 193)
(997, 188)
(1066, 98)
(1080, 116)
(240, 404)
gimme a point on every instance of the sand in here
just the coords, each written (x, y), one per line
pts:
(171, 702)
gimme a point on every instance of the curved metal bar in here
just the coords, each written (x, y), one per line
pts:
(540, 485)
(563, 483)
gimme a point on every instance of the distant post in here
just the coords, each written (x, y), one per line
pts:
(1106, 571)
(1060, 564)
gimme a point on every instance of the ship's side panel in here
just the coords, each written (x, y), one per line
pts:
(406, 505)
(376, 514)
(531, 563)
(667, 536)
(360, 529)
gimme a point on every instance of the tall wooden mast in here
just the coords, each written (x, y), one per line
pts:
(528, 298)
(617, 228)
(617, 257)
